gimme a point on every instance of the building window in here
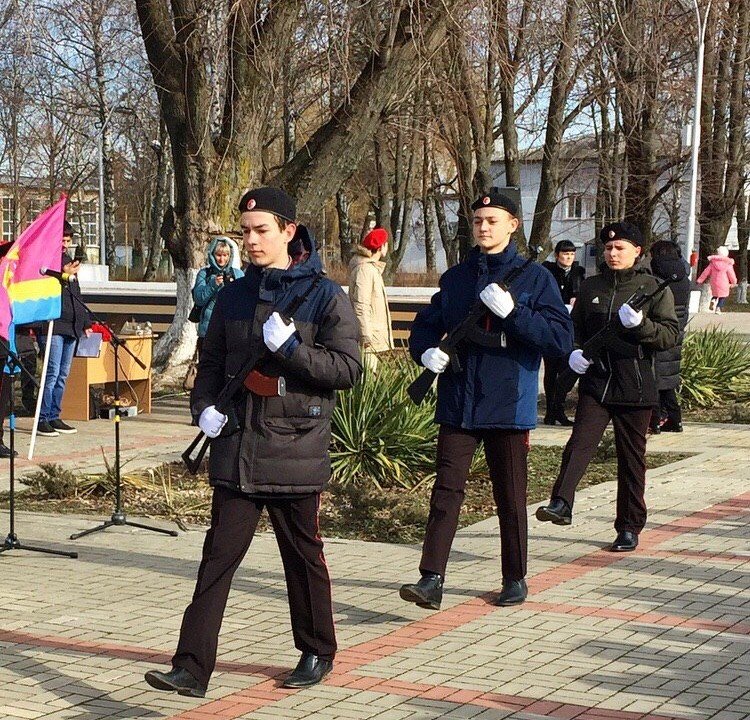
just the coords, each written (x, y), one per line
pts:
(573, 207)
(82, 216)
(9, 219)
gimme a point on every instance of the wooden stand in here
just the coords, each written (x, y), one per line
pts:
(86, 372)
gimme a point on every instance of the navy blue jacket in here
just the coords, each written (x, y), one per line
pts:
(280, 446)
(496, 387)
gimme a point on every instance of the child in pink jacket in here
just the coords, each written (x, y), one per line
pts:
(720, 269)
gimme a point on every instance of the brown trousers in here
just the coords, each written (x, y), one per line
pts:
(506, 452)
(630, 425)
(234, 517)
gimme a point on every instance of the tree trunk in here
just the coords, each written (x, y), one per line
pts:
(743, 237)
(429, 229)
(562, 82)
(346, 236)
(449, 242)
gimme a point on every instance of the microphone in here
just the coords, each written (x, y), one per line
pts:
(63, 277)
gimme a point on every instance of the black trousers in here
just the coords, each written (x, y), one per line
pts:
(630, 425)
(555, 391)
(506, 452)
(234, 517)
(669, 406)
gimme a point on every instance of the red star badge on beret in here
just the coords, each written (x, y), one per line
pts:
(485, 201)
(611, 233)
(250, 204)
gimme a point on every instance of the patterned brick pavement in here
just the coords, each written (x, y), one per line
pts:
(660, 633)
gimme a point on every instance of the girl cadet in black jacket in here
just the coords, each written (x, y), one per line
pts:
(667, 261)
(620, 385)
(276, 457)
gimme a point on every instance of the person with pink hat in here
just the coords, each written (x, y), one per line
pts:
(368, 297)
(720, 271)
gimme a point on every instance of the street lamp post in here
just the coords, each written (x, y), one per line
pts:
(702, 23)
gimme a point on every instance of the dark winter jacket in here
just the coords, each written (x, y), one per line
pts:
(206, 288)
(568, 282)
(281, 446)
(74, 318)
(496, 387)
(624, 376)
(668, 361)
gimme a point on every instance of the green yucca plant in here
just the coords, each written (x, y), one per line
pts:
(715, 368)
(379, 435)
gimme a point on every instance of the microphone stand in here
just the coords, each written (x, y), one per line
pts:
(11, 541)
(118, 516)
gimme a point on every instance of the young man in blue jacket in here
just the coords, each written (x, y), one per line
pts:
(492, 399)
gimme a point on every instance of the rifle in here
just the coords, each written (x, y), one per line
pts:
(225, 398)
(609, 335)
(419, 388)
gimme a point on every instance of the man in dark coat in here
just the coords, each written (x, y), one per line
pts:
(568, 275)
(492, 399)
(74, 322)
(666, 261)
(620, 385)
(274, 453)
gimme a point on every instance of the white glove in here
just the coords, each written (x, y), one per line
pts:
(569, 308)
(578, 363)
(276, 332)
(212, 422)
(499, 301)
(435, 359)
(630, 318)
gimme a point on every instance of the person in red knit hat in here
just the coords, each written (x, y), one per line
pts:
(367, 294)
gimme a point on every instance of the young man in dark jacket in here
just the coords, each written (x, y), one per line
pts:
(273, 453)
(493, 397)
(73, 323)
(568, 275)
(620, 385)
(666, 261)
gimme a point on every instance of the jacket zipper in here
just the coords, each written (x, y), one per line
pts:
(609, 319)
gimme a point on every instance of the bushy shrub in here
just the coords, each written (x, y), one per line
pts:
(52, 481)
(715, 368)
(379, 435)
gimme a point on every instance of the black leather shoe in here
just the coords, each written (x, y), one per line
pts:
(558, 417)
(624, 542)
(427, 593)
(514, 592)
(5, 451)
(310, 670)
(669, 426)
(558, 512)
(177, 680)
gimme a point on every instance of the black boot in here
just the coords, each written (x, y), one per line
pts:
(310, 670)
(177, 679)
(427, 593)
(670, 425)
(514, 592)
(624, 542)
(558, 512)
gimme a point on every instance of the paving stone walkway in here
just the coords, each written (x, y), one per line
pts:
(660, 633)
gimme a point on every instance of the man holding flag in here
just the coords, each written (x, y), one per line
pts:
(72, 323)
(26, 296)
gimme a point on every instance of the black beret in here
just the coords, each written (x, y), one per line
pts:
(497, 200)
(621, 231)
(270, 199)
(564, 246)
(68, 230)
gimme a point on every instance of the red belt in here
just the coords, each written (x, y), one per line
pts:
(265, 385)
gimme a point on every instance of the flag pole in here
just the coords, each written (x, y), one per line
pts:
(41, 390)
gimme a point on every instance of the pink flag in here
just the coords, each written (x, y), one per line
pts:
(25, 294)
